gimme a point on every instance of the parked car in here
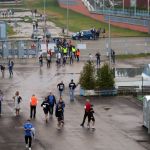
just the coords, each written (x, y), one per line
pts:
(85, 35)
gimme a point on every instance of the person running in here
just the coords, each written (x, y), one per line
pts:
(46, 106)
(52, 102)
(61, 87)
(29, 133)
(87, 108)
(59, 112)
(72, 87)
(33, 104)
(1, 99)
(98, 59)
(17, 99)
(91, 117)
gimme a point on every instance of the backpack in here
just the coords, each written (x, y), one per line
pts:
(51, 99)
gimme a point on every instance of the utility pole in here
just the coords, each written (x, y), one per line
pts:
(67, 17)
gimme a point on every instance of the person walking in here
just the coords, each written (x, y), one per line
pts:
(2, 69)
(72, 87)
(46, 106)
(29, 133)
(78, 55)
(87, 108)
(98, 59)
(10, 67)
(91, 117)
(59, 112)
(49, 57)
(17, 100)
(1, 99)
(61, 87)
(41, 60)
(33, 104)
(52, 102)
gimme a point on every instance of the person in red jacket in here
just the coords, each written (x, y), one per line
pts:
(87, 108)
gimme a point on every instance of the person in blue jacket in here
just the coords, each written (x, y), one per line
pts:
(28, 133)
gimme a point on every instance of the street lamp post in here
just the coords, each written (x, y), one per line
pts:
(109, 37)
(123, 5)
(135, 8)
(44, 21)
(148, 8)
(67, 17)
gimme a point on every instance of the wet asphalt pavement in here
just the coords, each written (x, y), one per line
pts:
(118, 119)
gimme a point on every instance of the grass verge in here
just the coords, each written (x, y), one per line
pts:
(77, 21)
(131, 56)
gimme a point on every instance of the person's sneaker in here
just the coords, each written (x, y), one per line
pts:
(82, 125)
(26, 145)
(29, 148)
(88, 125)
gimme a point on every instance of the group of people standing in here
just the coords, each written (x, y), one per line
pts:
(10, 68)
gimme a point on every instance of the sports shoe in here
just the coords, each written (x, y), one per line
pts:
(26, 145)
(93, 127)
(82, 124)
(29, 148)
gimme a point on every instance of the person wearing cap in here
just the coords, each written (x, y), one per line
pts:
(29, 133)
(33, 104)
(87, 108)
(72, 87)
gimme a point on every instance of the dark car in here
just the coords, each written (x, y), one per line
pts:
(84, 35)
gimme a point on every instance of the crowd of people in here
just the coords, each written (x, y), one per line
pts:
(7, 13)
(50, 107)
(66, 52)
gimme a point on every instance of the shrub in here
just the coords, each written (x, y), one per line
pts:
(105, 78)
(87, 77)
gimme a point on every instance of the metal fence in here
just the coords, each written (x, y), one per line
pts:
(19, 48)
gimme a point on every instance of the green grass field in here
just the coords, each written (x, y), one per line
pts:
(77, 21)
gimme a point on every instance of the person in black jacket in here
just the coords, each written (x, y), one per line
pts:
(45, 105)
(61, 87)
(59, 112)
(91, 117)
(72, 87)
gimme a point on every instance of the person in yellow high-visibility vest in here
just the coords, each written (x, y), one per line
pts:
(74, 51)
(65, 50)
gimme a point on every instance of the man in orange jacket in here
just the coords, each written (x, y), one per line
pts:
(78, 54)
(33, 104)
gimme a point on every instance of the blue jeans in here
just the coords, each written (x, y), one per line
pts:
(71, 94)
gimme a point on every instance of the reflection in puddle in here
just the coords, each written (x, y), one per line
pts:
(128, 72)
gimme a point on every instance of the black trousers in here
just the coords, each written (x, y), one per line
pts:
(85, 115)
(51, 109)
(28, 140)
(32, 111)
